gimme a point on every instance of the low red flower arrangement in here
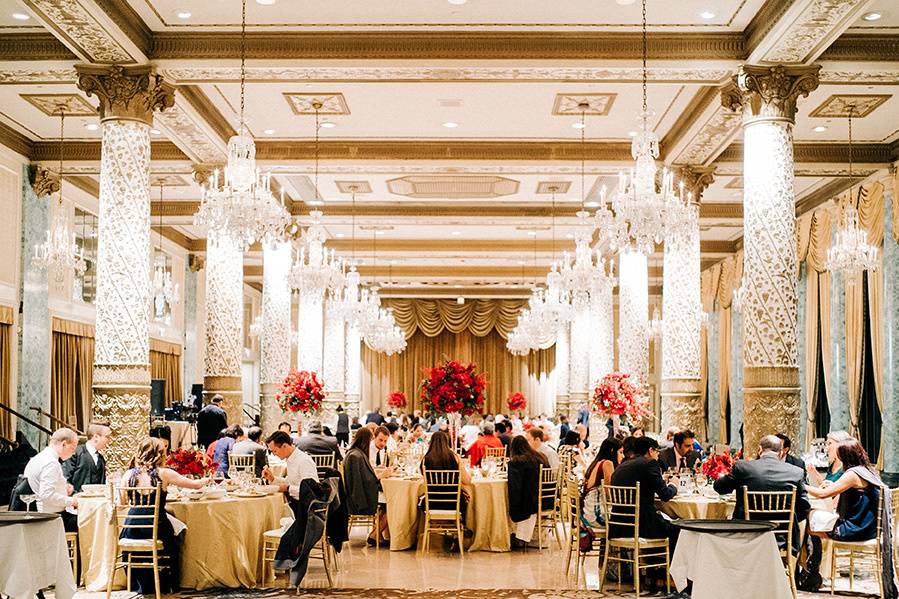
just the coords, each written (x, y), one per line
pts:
(452, 388)
(191, 463)
(396, 399)
(617, 395)
(718, 465)
(516, 401)
(301, 391)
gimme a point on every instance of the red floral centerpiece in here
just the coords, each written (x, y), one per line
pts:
(717, 465)
(617, 395)
(397, 399)
(452, 388)
(192, 463)
(516, 402)
(301, 391)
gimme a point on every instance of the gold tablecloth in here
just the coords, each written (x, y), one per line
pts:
(222, 546)
(181, 434)
(697, 507)
(487, 515)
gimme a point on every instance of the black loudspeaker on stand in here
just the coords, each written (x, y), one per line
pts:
(157, 398)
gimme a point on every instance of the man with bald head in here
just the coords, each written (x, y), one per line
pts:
(767, 473)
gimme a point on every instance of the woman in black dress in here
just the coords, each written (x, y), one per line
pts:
(524, 486)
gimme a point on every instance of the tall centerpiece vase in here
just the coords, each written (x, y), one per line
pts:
(453, 390)
(454, 420)
(616, 395)
(302, 393)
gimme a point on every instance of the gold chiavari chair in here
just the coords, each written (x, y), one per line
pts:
(574, 531)
(777, 507)
(865, 551)
(241, 463)
(622, 509)
(72, 546)
(443, 504)
(371, 522)
(549, 514)
(271, 539)
(137, 514)
(323, 463)
(495, 452)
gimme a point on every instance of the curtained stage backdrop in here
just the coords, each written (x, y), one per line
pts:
(471, 332)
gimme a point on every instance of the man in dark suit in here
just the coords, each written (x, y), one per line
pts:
(315, 442)
(210, 421)
(375, 416)
(681, 454)
(343, 427)
(785, 454)
(644, 469)
(88, 466)
(768, 473)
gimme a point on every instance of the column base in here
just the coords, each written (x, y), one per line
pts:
(682, 406)
(122, 398)
(561, 407)
(229, 387)
(770, 404)
(352, 405)
(270, 413)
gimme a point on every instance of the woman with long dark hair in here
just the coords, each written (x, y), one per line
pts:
(440, 456)
(609, 456)
(363, 483)
(524, 486)
(572, 445)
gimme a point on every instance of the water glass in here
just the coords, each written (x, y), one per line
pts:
(28, 500)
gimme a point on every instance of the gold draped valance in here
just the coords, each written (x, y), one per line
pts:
(432, 317)
(72, 327)
(6, 315)
(164, 347)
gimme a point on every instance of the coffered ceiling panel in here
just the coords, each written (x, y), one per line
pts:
(880, 124)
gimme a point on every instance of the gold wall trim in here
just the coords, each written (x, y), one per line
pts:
(129, 22)
(71, 327)
(823, 152)
(90, 151)
(403, 271)
(33, 47)
(864, 47)
(763, 22)
(700, 101)
(710, 210)
(15, 141)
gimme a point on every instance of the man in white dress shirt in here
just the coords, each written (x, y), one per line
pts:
(47, 481)
(299, 465)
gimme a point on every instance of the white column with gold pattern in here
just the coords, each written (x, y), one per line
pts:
(353, 383)
(579, 359)
(633, 315)
(334, 366)
(562, 374)
(275, 343)
(121, 381)
(310, 333)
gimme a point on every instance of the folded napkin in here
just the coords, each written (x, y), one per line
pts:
(822, 520)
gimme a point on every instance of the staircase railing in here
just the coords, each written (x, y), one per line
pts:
(54, 420)
(26, 419)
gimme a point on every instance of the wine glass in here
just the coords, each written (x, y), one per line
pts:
(28, 500)
(701, 481)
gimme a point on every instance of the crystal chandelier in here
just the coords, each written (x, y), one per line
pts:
(347, 301)
(164, 292)
(584, 274)
(383, 336)
(654, 328)
(60, 250)
(639, 203)
(551, 307)
(851, 254)
(316, 270)
(256, 326)
(242, 205)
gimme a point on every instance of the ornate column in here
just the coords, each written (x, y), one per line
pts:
(189, 354)
(681, 314)
(633, 314)
(128, 97)
(334, 358)
(353, 387)
(579, 360)
(890, 275)
(602, 335)
(275, 342)
(34, 362)
(563, 388)
(224, 323)
(310, 332)
(767, 97)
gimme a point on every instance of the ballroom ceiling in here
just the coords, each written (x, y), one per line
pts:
(465, 209)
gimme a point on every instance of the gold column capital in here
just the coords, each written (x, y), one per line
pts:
(126, 92)
(43, 182)
(202, 172)
(696, 179)
(769, 93)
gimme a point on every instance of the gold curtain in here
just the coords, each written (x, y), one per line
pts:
(727, 281)
(6, 321)
(71, 379)
(531, 374)
(165, 363)
(478, 316)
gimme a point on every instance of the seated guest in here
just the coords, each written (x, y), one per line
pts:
(355, 424)
(146, 470)
(416, 435)
(669, 437)
(440, 456)
(469, 433)
(504, 433)
(638, 432)
(210, 420)
(571, 445)
(627, 446)
(681, 454)
(524, 486)
(537, 440)
(299, 465)
(785, 454)
(644, 469)
(47, 481)
(299, 432)
(88, 466)
(375, 417)
(163, 431)
(767, 473)
(250, 445)
(584, 433)
(377, 450)
(285, 426)
(393, 441)
(564, 427)
(223, 447)
(835, 467)
(487, 439)
(315, 442)
(609, 457)
(363, 483)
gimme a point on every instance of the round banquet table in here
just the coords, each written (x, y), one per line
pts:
(697, 507)
(222, 546)
(487, 515)
(33, 556)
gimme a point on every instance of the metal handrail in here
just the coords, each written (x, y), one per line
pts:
(26, 419)
(54, 420)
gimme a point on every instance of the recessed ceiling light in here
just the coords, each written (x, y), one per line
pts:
(872, 16)
(624, 2)
(20, 16)
(820, 128)
(632, 133)
(707, 14)
(578, 125)
(184, 15)
(339, 235)
(458, 286)
(328, 125)
(532, 233)
(269, 131)
(456, 233)
(450, 125)
(394, 261)
(379, 232)
(92, 126)
(155, 131)
(591, 204)
(265, 2)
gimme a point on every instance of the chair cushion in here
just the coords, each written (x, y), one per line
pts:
(273, 534)
(139, 544)
(443, 514)
(868, 545)
(629, 542)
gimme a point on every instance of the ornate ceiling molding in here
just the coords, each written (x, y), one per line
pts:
(201, 104)
(15, 141)
(78, 28)
(863, 47)
(85, 151)
(33, 47)
(189, 134)
(821, 152)
(719, 128)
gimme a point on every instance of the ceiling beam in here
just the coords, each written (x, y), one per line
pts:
(806, 153)
(33, 47)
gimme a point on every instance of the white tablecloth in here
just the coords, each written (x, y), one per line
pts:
(34, 556)
(730, 566)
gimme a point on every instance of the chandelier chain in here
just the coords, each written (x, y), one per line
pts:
(583, 156)
(644, 63)
(62, 128)
(316, 106)
(243, 60)
(353, 226)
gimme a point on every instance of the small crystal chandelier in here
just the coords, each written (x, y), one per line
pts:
(738, 298)
(851, 254)
(164, 292)
(654, 327)
(551, 307)
(639, 204)
(347, 301)
(242, 205)
(256, 326)
(60, 251)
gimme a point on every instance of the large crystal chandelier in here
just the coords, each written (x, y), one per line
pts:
(851, 254)
(375, 323)
(538, 323)
(347, 301)
(241, 205)
(60, 250)
(551, 307)
(164, 292)
(640, 203)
